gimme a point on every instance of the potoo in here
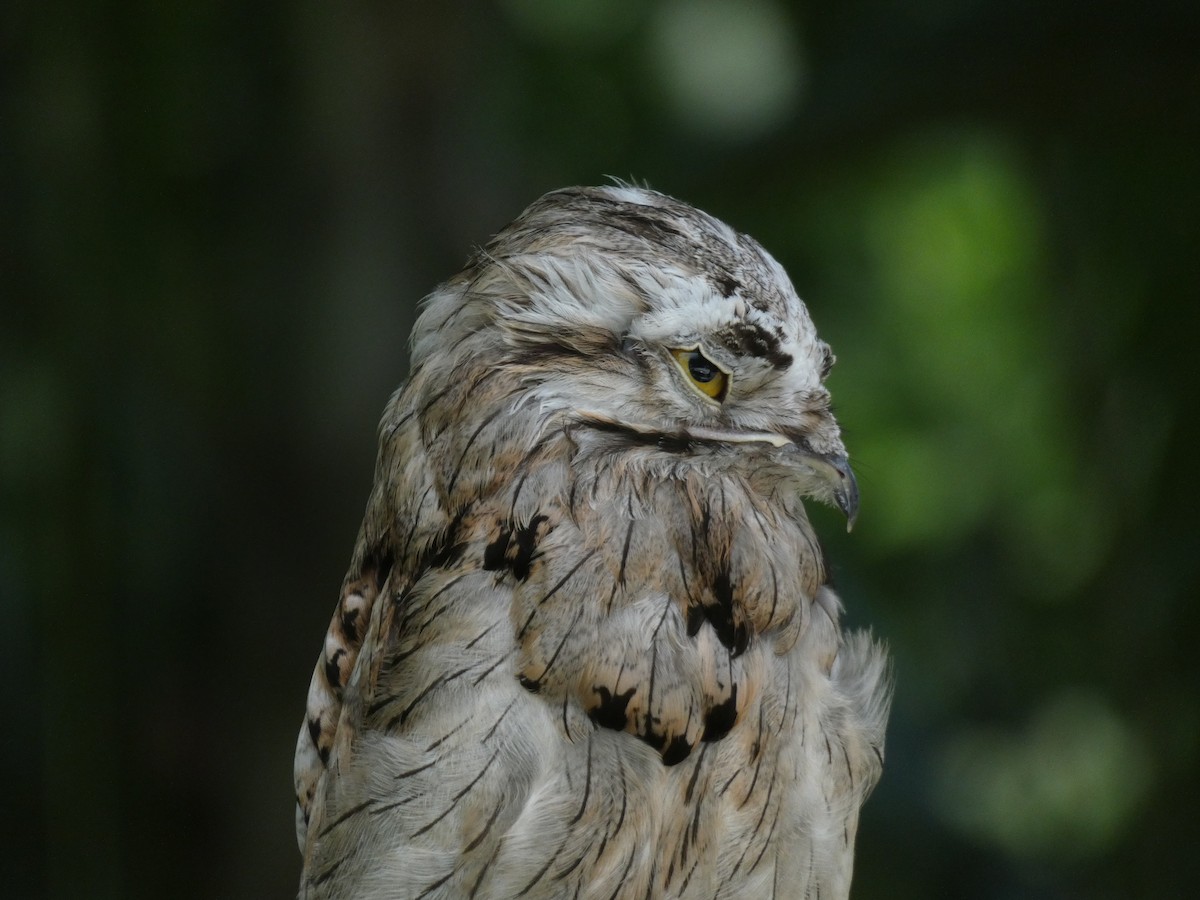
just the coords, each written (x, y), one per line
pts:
(587, 645)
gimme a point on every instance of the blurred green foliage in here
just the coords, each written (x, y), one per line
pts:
(218, 219)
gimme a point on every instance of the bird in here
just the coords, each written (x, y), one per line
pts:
(588, 645)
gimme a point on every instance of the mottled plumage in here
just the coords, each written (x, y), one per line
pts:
(586, 646)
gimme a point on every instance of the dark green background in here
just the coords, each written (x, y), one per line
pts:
(216, 220)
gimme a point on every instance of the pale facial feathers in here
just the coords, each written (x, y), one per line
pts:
(587, 646)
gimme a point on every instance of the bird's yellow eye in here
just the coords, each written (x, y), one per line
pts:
(704, 374)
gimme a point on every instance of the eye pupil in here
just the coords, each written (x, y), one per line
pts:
(700, 368)
(704, 374)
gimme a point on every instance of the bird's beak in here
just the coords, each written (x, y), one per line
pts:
(833, 468)
(836, 468)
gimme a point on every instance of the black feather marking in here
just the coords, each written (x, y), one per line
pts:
(753, 781)
(413, 634)
(544, 869)
(496, 724)
(612, 596)
(418, 770)
(352, 811)
(478, 839)
(624, 875)
(676, 750)
(446, 549)
(751, 339)
(467, 449)
(726, 284)
(529, 684)
(827, 361)
(569, 869)
(490, 669)
(687, 794)
(475, 640)
(757, 825)
(454, 800)
(766, 802)
(694, 829)
(524, 470)
(381, 562)
(432, 400)
(587, 784)
(640, 223)
(416, 521)
(514, 548)
(774, 591)
(695, 612)
(437, 884)
(624, 793)
(767, 841)
(668, 442)
(483, 872)
(446, 736)
(333, 672)
(571, 497)
(349, 622)
(402, 717)
(475, 385)
(526, 461)
(494, 553)
(553, 591)
(557, 650)
(731, 632)
(760, 735)
(721, 718)
(612, 710)
(328, 873)
(592, 342)
(654, 659)
(625, 552)
(725, 786)
(672, 750)
(787, 703)
(687, 878)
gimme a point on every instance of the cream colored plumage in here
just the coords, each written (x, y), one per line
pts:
(586, 646)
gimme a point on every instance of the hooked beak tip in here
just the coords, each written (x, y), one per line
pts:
(845, 490)
(849, 508)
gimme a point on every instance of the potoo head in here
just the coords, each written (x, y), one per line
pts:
(638, 321)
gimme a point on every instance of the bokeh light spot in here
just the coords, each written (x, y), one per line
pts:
(1064, 788)
(726, 68)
